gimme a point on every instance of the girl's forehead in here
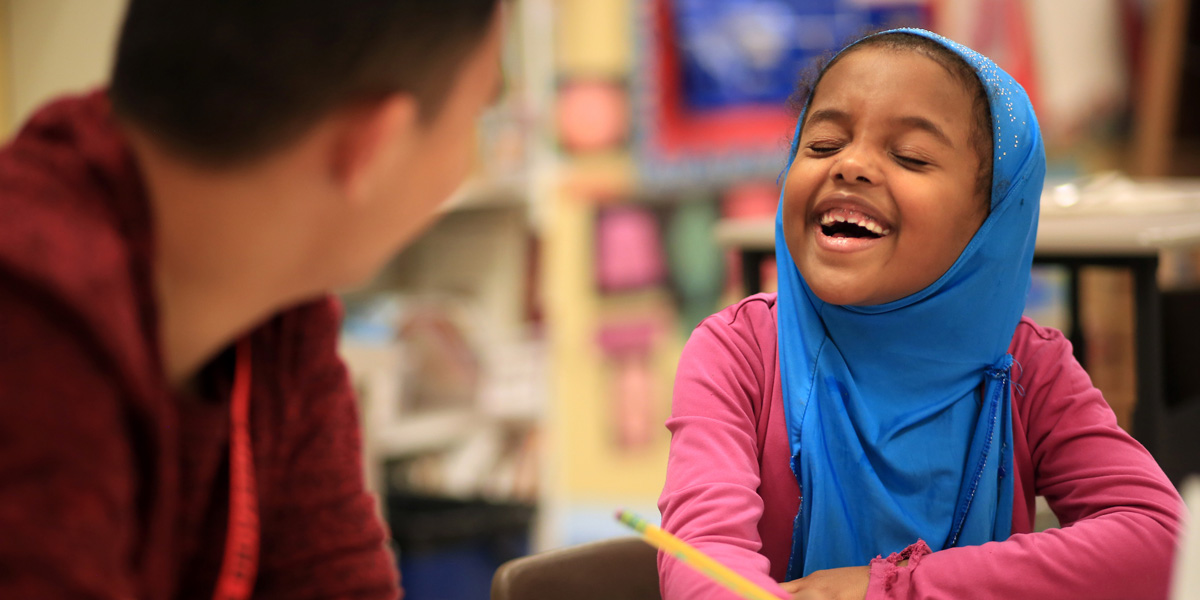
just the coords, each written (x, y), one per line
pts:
(887, 80)
(866, 67)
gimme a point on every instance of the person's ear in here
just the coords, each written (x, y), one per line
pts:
(375, 139)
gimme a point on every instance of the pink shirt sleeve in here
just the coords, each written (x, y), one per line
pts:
(711, 497)
(1119, 513)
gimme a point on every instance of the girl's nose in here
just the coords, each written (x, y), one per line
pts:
(854, 166)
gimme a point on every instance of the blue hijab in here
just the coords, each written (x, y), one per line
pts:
(899, 414)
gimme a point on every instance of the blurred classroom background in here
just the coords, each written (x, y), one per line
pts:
(515, 365)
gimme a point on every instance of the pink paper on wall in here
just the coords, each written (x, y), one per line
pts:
(751, 200)
(593, 115)
(627, 348)
(629, 251)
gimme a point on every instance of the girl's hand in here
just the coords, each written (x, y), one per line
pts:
(846, 583)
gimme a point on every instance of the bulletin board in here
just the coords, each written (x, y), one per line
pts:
(712, 79)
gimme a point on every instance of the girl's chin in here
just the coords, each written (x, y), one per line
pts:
(843, 287)
(843, 298)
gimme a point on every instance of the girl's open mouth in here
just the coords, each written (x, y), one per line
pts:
(848, 230)
(846, 223)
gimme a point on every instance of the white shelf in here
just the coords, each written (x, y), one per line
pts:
(421, 433)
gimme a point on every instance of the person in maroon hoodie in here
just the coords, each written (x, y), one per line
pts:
(174, 419)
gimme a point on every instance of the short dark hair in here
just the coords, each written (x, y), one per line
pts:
(224, 81)
(981, 129)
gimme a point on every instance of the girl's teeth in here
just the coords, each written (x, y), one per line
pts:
(863, 221)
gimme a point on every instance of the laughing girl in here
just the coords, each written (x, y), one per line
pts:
(881, 427)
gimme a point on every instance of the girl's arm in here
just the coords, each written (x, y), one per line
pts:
(1119, 513)
(710, 498)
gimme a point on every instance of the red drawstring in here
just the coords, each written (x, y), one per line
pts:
(240, 565)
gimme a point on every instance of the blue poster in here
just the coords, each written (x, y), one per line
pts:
(747, 52)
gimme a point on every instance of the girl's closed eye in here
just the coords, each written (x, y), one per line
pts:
(823, 147)
(913, 157)
(911, 161)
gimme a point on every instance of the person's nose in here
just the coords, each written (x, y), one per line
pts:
(855, 164)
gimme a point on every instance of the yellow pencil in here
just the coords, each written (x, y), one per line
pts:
(694, 558)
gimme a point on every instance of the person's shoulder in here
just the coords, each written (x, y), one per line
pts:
(303, 338)
(753, 314)
(64, 229)
(74, 241)
(70, 144)
(745, 328)
(1034, 341)
(1044, 360)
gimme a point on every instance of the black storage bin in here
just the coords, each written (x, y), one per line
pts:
(449, 548)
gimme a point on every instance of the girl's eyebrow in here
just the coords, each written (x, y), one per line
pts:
(828, 114)
(926, 125)
(842, 117)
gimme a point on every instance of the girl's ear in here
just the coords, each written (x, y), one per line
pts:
(372, 143)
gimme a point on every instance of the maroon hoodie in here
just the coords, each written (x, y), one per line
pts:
(111, 484)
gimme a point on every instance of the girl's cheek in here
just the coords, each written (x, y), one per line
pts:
(793, 216)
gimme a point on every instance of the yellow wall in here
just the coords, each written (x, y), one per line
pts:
(55, 47)
(5, 86)
(594, 37)
(593, 468)
(589, 469)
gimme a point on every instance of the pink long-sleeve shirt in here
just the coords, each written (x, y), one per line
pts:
(731, 493)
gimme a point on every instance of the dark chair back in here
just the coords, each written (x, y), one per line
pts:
(621, 568)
